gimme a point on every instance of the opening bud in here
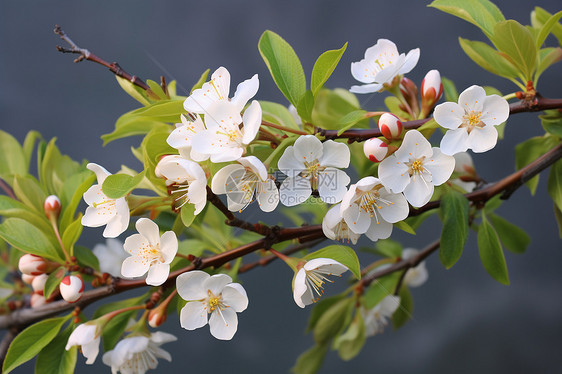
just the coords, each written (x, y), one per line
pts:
(34, 265)
(375, 149)
(37, 300)
(52, 207)
(27, 278)
(71, 288)
(157, 316)
(390, 126)
(431, 90)
(38, 283)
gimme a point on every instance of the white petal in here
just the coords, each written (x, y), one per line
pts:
(394, 174)
(288, 163)
(389, 305)
(332, 185)
(366, 88)
(100, 171)
(268, 196)
(120, 222)
(149, 230)
(495, 110)
(417, 276)
(379, 230)
(326, 266)
(158, 274)
(440, 166)
(335, 154)
(390, 71)
(221, 80)
(227, 154)
(220, 180)
(234, 295)
(294, 191)
(94, 194)
(397, 208)
(90, 350)
(482, 139)
(472, 99)
(133, 267)
(308, 148)
(223, 325)
(414, 146)
(454, 141)
(190, 285)
(94, 218)
(300, 290)
(333, 217)
(419, 191)
(252, 122)
(255, 165)
(367, 183)
(245, 91)
(448, 115)
(160, 337)
(356, 218)
(410, 62)
(193, 315)
(216, 283)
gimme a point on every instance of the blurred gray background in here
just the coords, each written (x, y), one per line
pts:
(464, 321)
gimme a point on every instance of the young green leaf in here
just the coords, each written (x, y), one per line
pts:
(488, 58)
(381, 288)
(133, 126)
(539, 17)
(547, 28)
(30, 192)
(311, 361)
(324, 67)
(331, 105)
(86, 257)
(54, 358)
(547, 57)
(389, 248)
(157, 89)
(31, 341)
(284, 66)
(558, 216)
(29, 144)
(454, 214)
(28, 238)
(12, 158)
(404, 226)
(115, 328)
(450, 90)
(134, 91)
(349, 344)
(305, 106)
(187, 213)
(71, 235)
(333, 321)
(529, 151)
(491, 252)
(342, 254)
(53, 281)
(278, 114)
(320, 308)
(554, 185)
(511, 236)
(350, 119)
(514, 40)
(116, 186)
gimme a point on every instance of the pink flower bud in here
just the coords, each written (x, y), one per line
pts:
(71, 288)
(157, 317)
(431, 87)
(38, 283)
(52, 206)
(27, 278)
(37, 300)
(390, 126)
(33, 265)
(375, 149)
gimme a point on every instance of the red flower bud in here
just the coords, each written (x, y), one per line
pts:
(390, 126)
(431, 87)
(38, 283)
(71, 288)
(52, 206)
(33, 265)
(37, 300)
(375, 149)
(157, 317)
(27, 278)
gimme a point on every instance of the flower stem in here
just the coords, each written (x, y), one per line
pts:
(509, 96)
(53, 221)
(283, 128)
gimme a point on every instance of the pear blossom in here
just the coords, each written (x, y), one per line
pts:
(431, 87)
(136, 354)
(375, 149)
(224, 139)
(217, 90)
(150, 253)
(185, 178)
(241, 182)
(382, 63)
(368, 208)
(415, 168)
(52, 206)
(471, 122)
(376, 318)
(390, 126)
(312, 165)
(71, 288)
(38, 283)
(215, 295)
(181, 138)
(110, 256)
(418, 275)
(102, 210)
(309, 280)
(335, 227)
(87, 336)
(34, 265)
(464, 167)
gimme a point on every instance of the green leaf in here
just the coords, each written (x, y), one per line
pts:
(333, 320)
(69, 205)
(350, 119)
(331, 105)
(56, 169)
(157, 89)
(491, 253)
(284, 66)
(547, 28)
(110, 307)
(12, 158)
(71, 235)
(404, 312)
(493, 204)
(396, 107)
(450, 90)
(310, 361)
(416, 221)
(389, 248)
(29, 144)
(488, 58)
(305, 106)
(340, 253)
(134, 91)
(132, 127)
(547, 57)
(86, 257)
(187, 214)
(54, 358)
(29, 192)
(274, 157)
(529, 151)
(201, 81)
(278, 114)
(554, 185)
(349, 344)
(539, 17)
(28, 238)
(454, 214)
(404, 226)
(13, 208)
(558, 216)
(31, 341)
(53, 281)
(115, 328)
(511, 236)
(324, 67)
(515, 41)
(481, 13)
(116, 186)
(381, 288)
(320, 308)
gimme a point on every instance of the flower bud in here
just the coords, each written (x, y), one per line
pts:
(390, 126)
(375, 149)
(157, 317)
(71, 288)
(33, 265)
(52, 207)
(27, 278)
(37, 300)
(431, 89)
(38, 283)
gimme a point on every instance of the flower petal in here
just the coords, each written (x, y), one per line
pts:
(495, 110)
(448, 115)
(356, 218)
(308, 148)
(335, 154)
(379, 230)
(454, 141)
(332, 185)
(255, 165)
(482, 139)
(190, 285)
(366, 88)
(414, 146)
(234, 295)
(252, 122)
(394, 174)
(90, 350)
(268, 196)
(394, 207)
(227, 154)
(245, 91)
(149, 230)
(221, 178)
(133, 267)
(419, 191)
(301, 293)
(288, 163)
(94, 217)
(410, 61)
(216, 283)
(294, 191)
(223, 323)
(169, 246)
(325, 266)
(440, 166)
(472, 99)
(193, 315)
(100, 171)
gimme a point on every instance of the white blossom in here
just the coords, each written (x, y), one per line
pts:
(102, 210)
(310, 279)
(87, 336)
(418, 275)
(110, 256)
(382, 63)
(182, 136)
(335, 227)
(215, 295)
(471, 122)
(464, 166)
(376, 318)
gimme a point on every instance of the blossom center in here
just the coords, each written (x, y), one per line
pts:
(371, 201)
(182, 192)
(312, 169)
(472, 120)
(215, 302)
(105, 204)
(151, 254)
(315, 280)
